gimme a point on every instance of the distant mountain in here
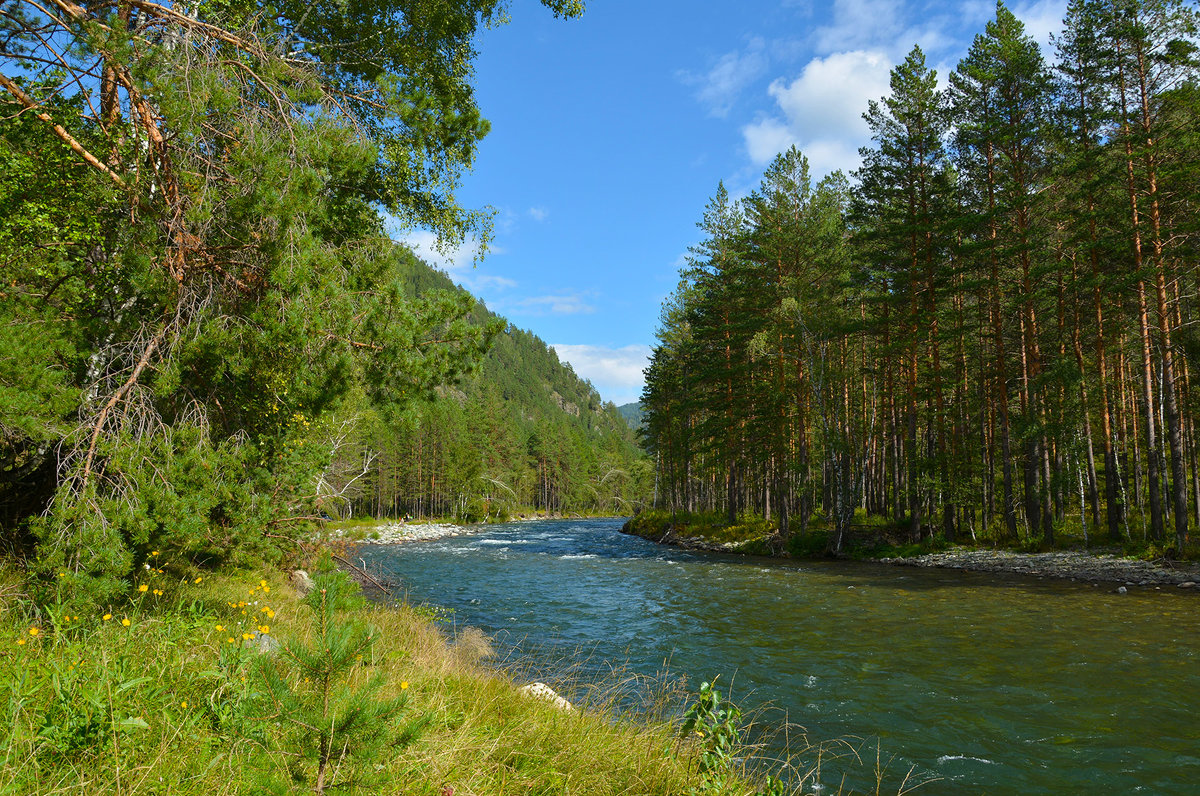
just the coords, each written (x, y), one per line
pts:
(633, 414)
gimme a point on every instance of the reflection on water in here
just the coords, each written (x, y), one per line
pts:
(995, 684)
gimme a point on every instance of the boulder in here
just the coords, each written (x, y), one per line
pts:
(545, 692)
(301, 582)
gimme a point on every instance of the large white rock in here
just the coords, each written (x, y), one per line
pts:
(543, 691)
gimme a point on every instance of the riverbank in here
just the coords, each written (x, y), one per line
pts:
(400, 532)
(1092, 567)
(395, 532)
(166, 690)
(1095, 566)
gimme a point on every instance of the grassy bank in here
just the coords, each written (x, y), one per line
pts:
(165, 694)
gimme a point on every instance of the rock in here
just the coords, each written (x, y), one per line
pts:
(1188, 584)
(1122, 590)
(262, 644)
(545, 692)
(301, 582)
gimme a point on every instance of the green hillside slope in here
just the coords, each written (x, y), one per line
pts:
(523, 433)
(633, 414)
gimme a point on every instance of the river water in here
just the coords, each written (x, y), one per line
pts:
(983, 683)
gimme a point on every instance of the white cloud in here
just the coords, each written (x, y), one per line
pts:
(768, 137)
(1041, 18)
(482, 281)
(719, 88)
(617, 373)
(860, 24)
(560, 304)
(425, 245)
(821, 111)
(538, 213)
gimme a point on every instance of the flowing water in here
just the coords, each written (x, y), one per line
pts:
(990, 684)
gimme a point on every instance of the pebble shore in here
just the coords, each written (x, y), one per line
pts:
(1087, 567)
(401, 533)
(1068, 565)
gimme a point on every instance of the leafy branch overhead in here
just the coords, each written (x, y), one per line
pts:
(192, 215)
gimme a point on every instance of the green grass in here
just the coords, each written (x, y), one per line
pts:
(166, 704)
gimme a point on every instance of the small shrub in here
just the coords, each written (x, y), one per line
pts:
(309, 689)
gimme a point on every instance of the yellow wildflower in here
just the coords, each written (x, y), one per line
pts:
(266, 589)
(125, 621)
(143, 588)
(198, 579)
(247, 636)
(403, 685)
(229, 640)
(106, 617)
(33, 631)
(220, 628)
(264, 629)
(183, 703)
(153, 552)
(20, 642)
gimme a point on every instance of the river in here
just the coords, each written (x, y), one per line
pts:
(982, 683)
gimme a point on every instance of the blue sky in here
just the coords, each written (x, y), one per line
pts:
(611, 132)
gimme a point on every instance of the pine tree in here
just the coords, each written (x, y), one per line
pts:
(901, 215)
(307, 688)
(1000, 92)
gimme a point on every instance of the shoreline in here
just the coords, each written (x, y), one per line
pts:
(1074, 565)
(396, 532)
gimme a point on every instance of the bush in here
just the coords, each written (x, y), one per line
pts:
(309, 688)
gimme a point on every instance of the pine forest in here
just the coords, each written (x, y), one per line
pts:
(988, 332)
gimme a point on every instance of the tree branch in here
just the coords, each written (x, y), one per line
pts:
(78, 148)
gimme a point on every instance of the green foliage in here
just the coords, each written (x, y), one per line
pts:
(521, 433)
(198, 290)
(308, 687)
(971, 342)
(713, 726)
(176, 695)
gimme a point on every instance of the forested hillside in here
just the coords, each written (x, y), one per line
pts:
(633, 414)
(989, 332)
(522, 432)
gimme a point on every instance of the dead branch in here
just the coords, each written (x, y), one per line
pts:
(70, 140)
(98, 423)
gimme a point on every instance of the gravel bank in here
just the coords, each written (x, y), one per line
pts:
(1071, 565)
(401, 533)
(1067, 565)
